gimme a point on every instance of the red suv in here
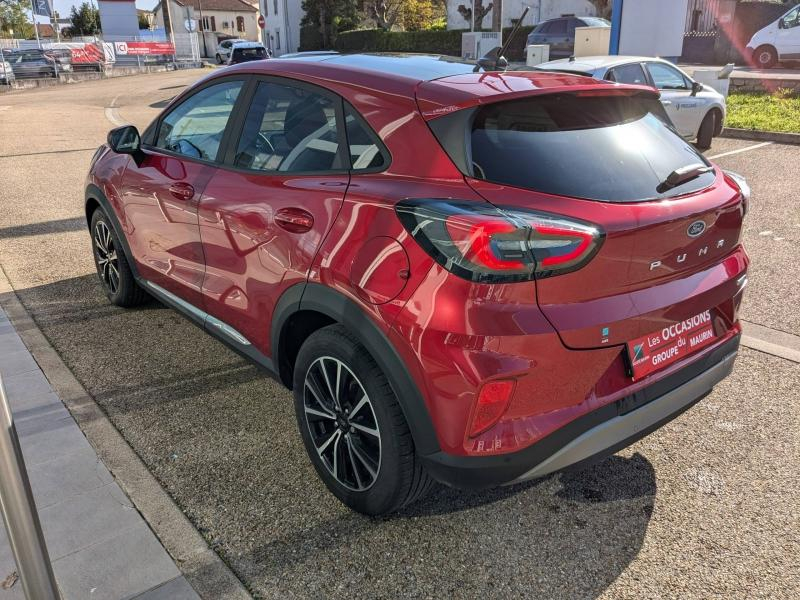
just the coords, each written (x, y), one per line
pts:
(478, 278)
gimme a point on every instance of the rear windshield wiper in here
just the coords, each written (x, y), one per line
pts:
(682, 175)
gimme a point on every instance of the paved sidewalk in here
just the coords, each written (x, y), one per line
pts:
(100, 545)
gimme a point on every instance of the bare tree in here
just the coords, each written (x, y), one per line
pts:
(603, 8)
(480, 12)
(385, 13)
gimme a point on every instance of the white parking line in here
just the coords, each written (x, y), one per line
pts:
(745, 149)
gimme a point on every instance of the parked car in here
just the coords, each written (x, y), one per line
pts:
(6, 73)
(778, 41)
(697, 111)
(477, 284)
(32, 63)
(246, 52)
(559, 33)
(224, 49)
(62, 58)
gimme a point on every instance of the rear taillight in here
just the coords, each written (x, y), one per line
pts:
(488, 244)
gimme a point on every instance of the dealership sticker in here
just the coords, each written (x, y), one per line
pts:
(675, 341)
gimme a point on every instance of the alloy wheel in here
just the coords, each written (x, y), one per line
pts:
(107, 259)
(342, 423)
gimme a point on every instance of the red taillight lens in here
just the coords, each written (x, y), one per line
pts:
(492, 403)
(484, 243)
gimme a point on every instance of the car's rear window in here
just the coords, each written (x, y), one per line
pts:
(612, 148)
(250, 53)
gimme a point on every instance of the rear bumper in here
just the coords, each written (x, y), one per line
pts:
(594, 435)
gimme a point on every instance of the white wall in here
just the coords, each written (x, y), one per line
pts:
(283, 25)
(118, 18)
(652, 27)
(540, 10)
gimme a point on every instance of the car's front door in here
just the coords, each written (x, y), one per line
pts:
(787, 39)
(265, 212)
(676, 96)
(161, 192)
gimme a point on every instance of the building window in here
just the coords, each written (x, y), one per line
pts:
(240, 24)
(275, 7)
(277, 39)
(208, 24)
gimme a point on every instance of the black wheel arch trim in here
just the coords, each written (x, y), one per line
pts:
(329, 302)
(95, 194)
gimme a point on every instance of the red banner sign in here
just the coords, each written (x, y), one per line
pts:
(143, 48)
(662, 348)
(88, 54)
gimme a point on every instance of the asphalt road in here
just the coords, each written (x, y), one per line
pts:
(705, 507)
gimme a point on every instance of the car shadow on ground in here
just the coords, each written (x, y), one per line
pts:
(222, 440)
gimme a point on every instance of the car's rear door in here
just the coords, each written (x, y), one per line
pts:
(266, 211)
(161, 191)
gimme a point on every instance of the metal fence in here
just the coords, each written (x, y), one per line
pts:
(105, 53)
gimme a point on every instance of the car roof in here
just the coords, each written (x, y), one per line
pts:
(586, 64)
(413, 74)
(246, 44)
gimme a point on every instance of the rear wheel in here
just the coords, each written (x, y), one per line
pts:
(766, 57)
(353, 427)
(115, 274)
(705, 134)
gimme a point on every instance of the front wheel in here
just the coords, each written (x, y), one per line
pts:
(353, 427)
(115, 274)
(766, 57)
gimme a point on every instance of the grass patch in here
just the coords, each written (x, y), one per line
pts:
(767, 112)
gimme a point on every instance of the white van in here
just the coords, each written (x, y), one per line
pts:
(780, 40)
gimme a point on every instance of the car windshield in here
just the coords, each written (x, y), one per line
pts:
(608, 148)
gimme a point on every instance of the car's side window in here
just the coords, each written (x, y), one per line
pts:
(194, 128)
(366, 152)
(558, 27)
(633, 74)
(792, 19)
(289, 129)
(667, 78)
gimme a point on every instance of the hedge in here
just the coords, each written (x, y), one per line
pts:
(435, 42)
(377, 40)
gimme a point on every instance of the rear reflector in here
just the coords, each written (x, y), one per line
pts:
(492, 403)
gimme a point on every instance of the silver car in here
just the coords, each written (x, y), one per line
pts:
(696, 110)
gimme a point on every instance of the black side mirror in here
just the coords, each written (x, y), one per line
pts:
(696, 87)
(781, 24)
(125, 140)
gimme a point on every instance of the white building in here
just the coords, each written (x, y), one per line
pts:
(540, 10)
(282, 32)
(223, 18)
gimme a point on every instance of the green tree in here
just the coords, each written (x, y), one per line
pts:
(14, 19)
(85, 20)
(330, 17)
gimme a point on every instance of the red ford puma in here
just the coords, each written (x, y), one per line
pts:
(471, 277)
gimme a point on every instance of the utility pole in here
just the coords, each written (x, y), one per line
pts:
(35, 26)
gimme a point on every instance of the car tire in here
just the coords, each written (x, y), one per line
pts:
(765, 57)
(705, 134)
(115, 274)
(360, 444)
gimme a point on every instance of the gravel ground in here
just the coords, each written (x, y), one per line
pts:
(705, 507)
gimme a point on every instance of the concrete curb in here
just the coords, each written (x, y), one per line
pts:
(203, 568)
(761, 136)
